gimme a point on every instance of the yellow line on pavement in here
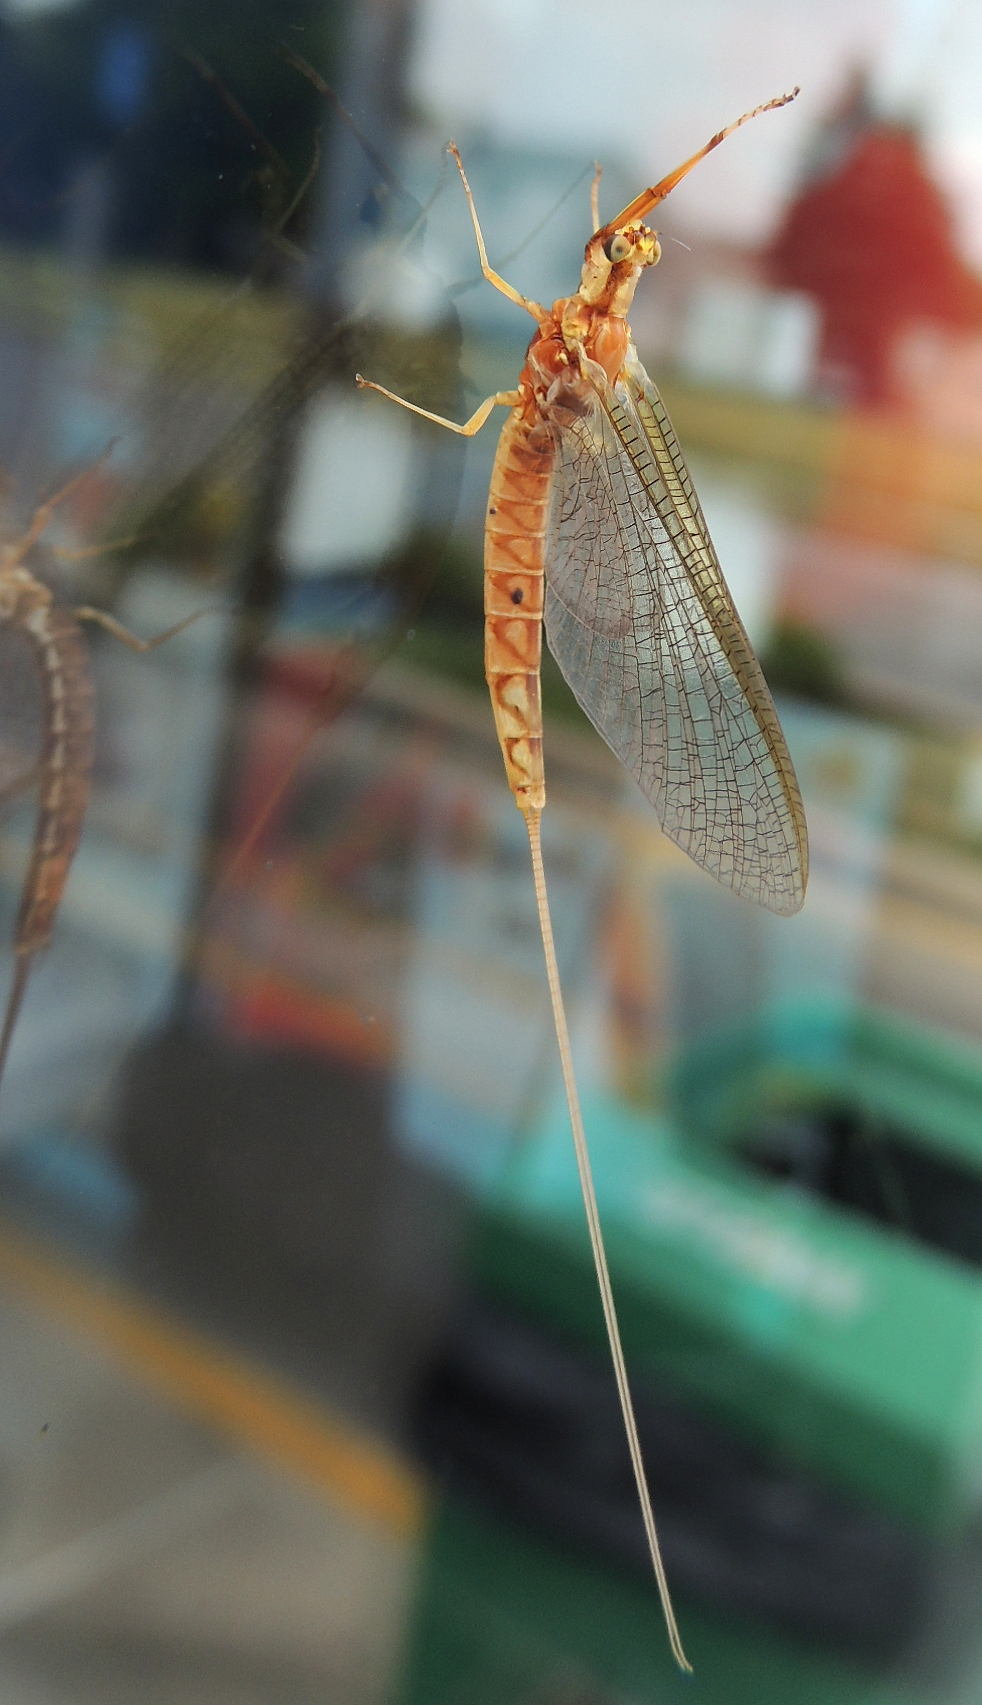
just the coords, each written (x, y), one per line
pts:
(219, 1387)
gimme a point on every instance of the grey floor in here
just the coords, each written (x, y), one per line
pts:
(144, 1559)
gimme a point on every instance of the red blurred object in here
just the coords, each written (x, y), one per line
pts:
(870, 237)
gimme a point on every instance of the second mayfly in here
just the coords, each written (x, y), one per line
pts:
(593, 526)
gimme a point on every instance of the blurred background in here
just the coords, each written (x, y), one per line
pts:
(304, 1392)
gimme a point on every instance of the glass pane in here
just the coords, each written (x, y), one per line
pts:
(307, 1391)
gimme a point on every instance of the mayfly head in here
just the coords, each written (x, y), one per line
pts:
(617, 254)
(614, 260)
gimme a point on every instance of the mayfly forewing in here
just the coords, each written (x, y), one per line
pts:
(639, 619)
(714, 596)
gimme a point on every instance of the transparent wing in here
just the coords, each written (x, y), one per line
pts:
(639, 619)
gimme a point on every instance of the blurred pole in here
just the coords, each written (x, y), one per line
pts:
(346, 210)
(341, 220)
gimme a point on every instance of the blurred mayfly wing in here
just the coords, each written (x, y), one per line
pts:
(326, 529)
(252, 402)
(21, 714)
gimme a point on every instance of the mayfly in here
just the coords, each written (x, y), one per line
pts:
(594, 527)
(63, 771)
(58, 651)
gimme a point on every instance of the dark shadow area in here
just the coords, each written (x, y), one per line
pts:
(276, 1208)
(844, 1156)
(533, 1428)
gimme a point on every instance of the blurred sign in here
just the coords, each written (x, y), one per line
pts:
(350, 497)
(729, 957)
(740, 335)
(478, 1056)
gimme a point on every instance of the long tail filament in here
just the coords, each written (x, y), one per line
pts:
(533, 821)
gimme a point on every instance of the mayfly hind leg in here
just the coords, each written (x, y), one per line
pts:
(86, 613)
(507, 399)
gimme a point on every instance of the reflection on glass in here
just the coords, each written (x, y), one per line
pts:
(304, 1388)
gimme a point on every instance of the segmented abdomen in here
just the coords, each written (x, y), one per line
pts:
(68, 698)
(513, 596)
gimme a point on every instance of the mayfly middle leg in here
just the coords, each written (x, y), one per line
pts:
(64, 768)
(593, 526)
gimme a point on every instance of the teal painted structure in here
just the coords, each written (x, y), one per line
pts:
(838, 1345)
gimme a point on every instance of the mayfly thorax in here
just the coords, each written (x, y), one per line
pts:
(594, 529)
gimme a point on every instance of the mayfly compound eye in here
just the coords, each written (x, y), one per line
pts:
(618, 248)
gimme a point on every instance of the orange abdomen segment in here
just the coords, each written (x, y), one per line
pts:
(513, 592)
